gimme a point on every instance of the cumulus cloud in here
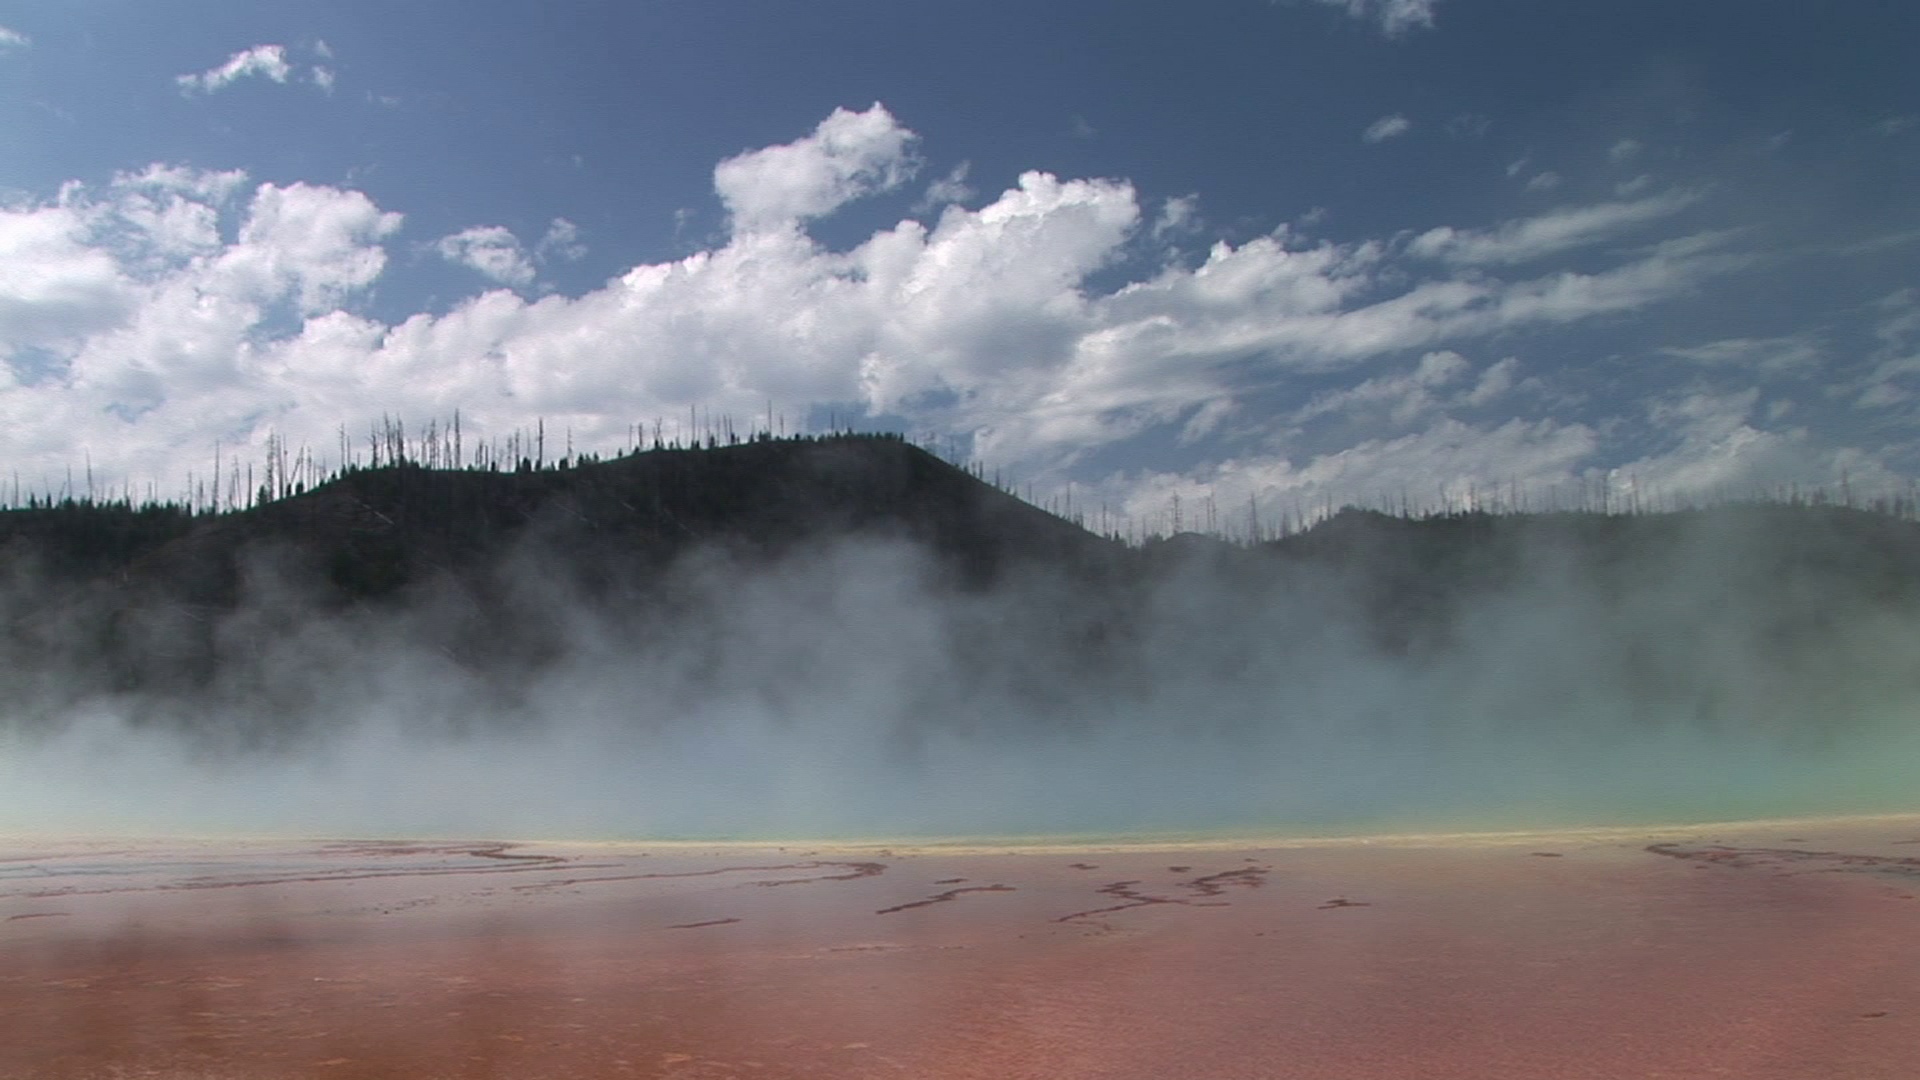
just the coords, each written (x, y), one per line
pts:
(850, 155)
(264, 61)
(490, 250)
(13, 39)
(1385, 128)
(172, 307)
(56, 288)
(312, 244)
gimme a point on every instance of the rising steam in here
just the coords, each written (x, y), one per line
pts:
(855, 687)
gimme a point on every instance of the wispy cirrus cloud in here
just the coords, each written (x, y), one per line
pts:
(1387, 127)
(1394, 17)
(1793, 354)
(561, 241)
(1550, 233)
(951, 188)
(11, 39)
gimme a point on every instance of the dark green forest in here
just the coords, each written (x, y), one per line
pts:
(1708, 611)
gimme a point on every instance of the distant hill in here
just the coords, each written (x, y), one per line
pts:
(1802, 565)
(1734, 608)
(106, 575)
(372, 532)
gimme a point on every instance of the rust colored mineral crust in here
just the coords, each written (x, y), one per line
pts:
(1762, 951)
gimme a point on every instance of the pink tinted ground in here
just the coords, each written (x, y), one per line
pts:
(1784, 950)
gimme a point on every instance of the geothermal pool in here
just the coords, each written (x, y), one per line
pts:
(1785, 949)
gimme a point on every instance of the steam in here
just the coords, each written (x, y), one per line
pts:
(854, 687)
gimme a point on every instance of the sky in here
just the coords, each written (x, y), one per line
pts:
(1242, 254)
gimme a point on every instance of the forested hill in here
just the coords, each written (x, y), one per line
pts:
(726, 559)
(1769, 572)
(372, 532)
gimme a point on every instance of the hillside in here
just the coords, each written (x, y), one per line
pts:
(374, 531)
(1801, 567)
(718, 566)
(149, 596)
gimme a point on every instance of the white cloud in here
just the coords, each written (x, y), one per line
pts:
(1624, 150)
(1548, 234)
(951, 188)
(56, 288)
(1880, 241)
(1450, 464)
(1899, 317)
(1385, 128)
(1469, 125)
(1714, 450)
(850, 155)
(1774, 356)
(1896, 361)
(214, 187)
(180, 307)
(311, 244)
(13, 39)
(492, 251)
(261, 61)
(1438, 382)
(1393, 16)
(1627, 189)
(1401, 397)
(1494, 382)
(1719, 452)
(1545, 181)
(163, 214)
(152, 318)
(1179, 217)
(265, 61)
(562, 241)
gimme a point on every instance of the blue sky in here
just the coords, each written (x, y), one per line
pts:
(1298, 252)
